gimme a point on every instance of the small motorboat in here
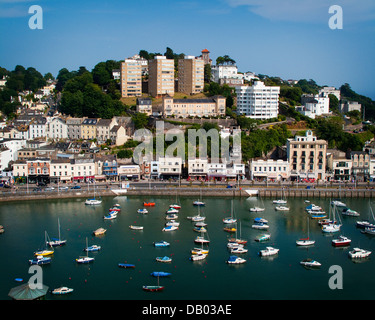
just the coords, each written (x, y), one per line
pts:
(331, 228)
(160, 274)
(364, 224)
(350, 212)
(281, 208)
(260, 220)
(256, 209)
(126, 265)
(199, 251)
(99, 231)
(171, 210)
(200, 229)
(171, 216)
(170, 228)
(260, 226)
(163, 259)
(161, 244)
(199, 203)
(310, 263)
(110, 216)
(201, 240)
(358, 253)
(85, 260)
(269, 251)
(172, 223)
(263, 237)
(136, 227)
(230, 229)
(143, 211)
(93, 201)
(40, 260)
(94, 247)
(198, 256)
(175, 206)
(338, 203)
(238, 249)
(62, 290)
(235, 260)
(341, 241)
(280, 201)
(149, 204)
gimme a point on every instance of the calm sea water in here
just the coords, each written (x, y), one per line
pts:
(279, 277)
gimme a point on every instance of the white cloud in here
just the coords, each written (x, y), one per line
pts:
(308, 10)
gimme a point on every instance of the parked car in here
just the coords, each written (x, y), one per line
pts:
(37, 189)
(49, 189)
(76, 187)
(63, 188)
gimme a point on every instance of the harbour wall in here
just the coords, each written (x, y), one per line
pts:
(274, 193)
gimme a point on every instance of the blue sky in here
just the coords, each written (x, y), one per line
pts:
(286, 38)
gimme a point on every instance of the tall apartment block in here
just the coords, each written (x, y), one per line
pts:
(190, 75)
(307, 157)
(258, 101)
(161, 76)
(131, 78)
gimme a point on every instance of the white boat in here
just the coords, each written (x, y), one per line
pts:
(170, 228)
(310, 263)
(198, 217)
(338, 203)
(163, 259)
(341, 241)
(93, 201)
(171, 216)
(197, 257)
(143, 211)
(136, 227)
(233, 245)
(94, 247)
(200, 224)
(369, 230)
(45, 251)
(269, 251)
(175, 206)
(112, 215)
(306, 241)
(350, 212)
(260, 220)
(85, 259)
(256, 209)
(235, 260)
(238, 249)
(332, 227)
(199, 251)
(202, 240)
(281, 208)
(279, 201)
(57, 242)
(358, 253)
(62, 290)
(171, 210)
(263, 237)
(260, 226)
(229, 220)
(172, 223)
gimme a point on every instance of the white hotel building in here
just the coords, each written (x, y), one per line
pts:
(258, 101)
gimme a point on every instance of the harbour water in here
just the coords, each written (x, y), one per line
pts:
(277, 277)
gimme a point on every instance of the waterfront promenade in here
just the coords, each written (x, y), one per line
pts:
(196, 189)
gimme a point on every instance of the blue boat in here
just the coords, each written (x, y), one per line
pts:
(126, 265)
(93, 248)
(163, 259)
(160, 274)
(39, 260)
(161, 244)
